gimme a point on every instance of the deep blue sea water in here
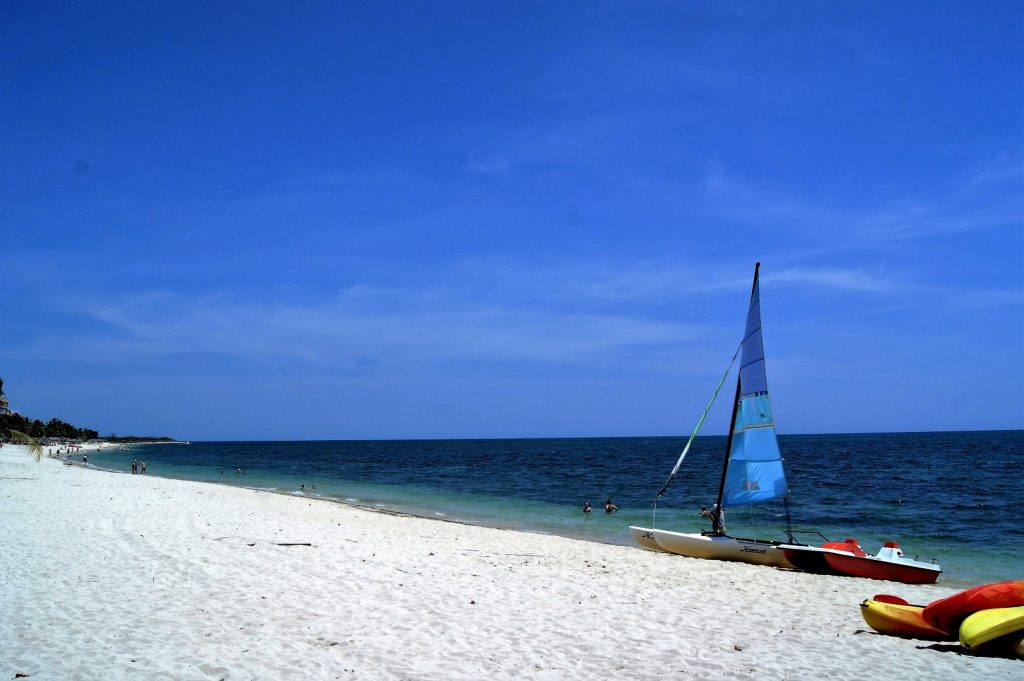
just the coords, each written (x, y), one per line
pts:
(954, 497)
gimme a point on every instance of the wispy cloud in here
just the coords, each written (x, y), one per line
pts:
(973, 300)
(864, 48)
(1005, 168)
(967, 200)
(840, 279)
(610, 282)
(484, 163)
(394, 327)
(390, 328)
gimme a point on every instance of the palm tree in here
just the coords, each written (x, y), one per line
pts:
(34, 448)
(4, 404)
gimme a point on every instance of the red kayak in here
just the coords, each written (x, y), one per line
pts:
(946, 614)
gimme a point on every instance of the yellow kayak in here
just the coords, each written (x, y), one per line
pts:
(987, 625)
(899, 619)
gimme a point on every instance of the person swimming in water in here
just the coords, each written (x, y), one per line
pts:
(609, 507)
(586, 506)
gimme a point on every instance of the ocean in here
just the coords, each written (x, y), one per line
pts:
(952, 497)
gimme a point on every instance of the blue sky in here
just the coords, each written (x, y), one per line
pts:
(389, 220)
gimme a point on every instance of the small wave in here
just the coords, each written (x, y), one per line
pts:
(440, 514)
(352, 500)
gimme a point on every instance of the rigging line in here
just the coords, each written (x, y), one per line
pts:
(700, 422)
(789, 520)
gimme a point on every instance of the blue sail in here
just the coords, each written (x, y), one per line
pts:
(755, 471)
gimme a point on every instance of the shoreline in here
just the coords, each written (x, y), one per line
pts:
(348, 504)
(955, 583)
(117, 575)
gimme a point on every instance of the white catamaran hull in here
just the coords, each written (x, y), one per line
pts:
(645, 538)
(711, 546)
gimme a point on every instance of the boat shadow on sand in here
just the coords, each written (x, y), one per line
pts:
(1004, 653)
(954, 648)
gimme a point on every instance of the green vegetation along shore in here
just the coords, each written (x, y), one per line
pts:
(56, 428)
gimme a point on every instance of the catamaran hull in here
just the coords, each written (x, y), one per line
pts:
(711, 547)
(645, 538)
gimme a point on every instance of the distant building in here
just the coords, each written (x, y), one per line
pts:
(5, 407)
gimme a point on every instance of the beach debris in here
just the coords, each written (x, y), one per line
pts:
(19, 675)
(256, 541)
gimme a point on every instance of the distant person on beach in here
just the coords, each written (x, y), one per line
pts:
(85, 459)
(586, 506)
(135, 466)
(609, 507)
(143, 467)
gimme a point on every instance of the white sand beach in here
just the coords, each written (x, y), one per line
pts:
(113, 576)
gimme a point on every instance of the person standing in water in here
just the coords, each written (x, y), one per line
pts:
(586, 505)
(717, 518)
(609, 507)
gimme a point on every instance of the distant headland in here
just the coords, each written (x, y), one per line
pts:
(57, 430)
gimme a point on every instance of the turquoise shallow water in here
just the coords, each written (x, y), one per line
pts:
(954, 497)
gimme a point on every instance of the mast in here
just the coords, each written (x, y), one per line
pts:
(717, 523)
(716, 519)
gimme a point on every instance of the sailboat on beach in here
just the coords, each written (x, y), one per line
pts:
(752, 471)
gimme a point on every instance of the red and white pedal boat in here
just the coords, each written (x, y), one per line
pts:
(848, 558)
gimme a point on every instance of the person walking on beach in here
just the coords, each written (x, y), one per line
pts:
(85, 459)
(143, 467)
(609, 507)
(586, 505)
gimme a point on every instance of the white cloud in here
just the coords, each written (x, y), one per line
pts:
(835, 278)
(405, 328)
(955, 205)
